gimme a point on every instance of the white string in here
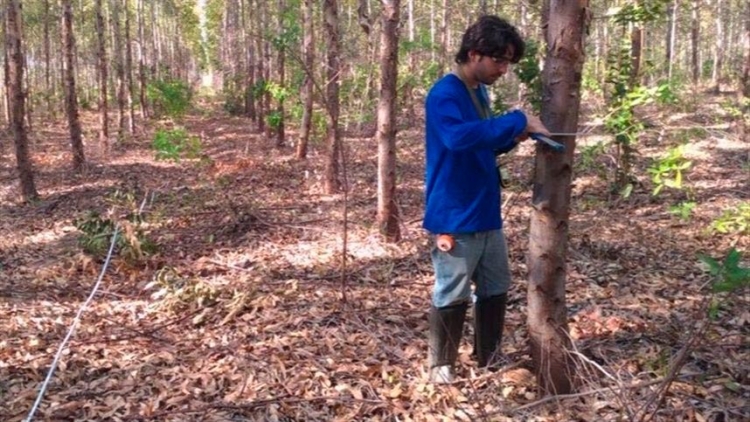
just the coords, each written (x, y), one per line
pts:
(72, 329)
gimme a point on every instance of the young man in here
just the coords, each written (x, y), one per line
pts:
(463, 194)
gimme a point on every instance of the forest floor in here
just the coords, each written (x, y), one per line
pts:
(243, 313)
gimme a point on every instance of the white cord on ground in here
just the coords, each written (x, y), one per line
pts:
(77, 319)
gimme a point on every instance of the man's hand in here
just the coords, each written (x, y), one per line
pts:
(534, 125)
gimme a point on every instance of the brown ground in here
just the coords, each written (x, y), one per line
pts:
(243, 315)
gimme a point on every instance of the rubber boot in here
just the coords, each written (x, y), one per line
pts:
(446, 325)
(489, 318)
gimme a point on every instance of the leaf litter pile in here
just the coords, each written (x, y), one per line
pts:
(241, 311)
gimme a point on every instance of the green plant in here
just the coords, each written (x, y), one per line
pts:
(683, 210)
(176, 144)
(589, 156)
(170, 96)
(668, 170)
(131, 242)
(728, 275)
(529, 72)
(736, 220)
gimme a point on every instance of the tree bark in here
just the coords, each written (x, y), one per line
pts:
(17, 98)
(388, 218)
(101, 55)
(333, 68)
(671, 36)
(695, 41)
(71, 99)
(280, 129)
(47, 80)
(141, 61)
(119, 69)
(129, 70)
(308, 48)
(547, 319)
(745, 78)
(719, 48)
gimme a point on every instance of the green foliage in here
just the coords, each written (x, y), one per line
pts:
(589, 156)
(668, 170)
(639, 12)
(170, 96)
(274, 119)
(736, 220)
(728, 275)
(96, 236)
(683, 210)
(176, 144)
(529, 72)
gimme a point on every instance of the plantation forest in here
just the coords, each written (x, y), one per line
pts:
(211, 210)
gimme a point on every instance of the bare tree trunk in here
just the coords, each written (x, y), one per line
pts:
(444, 37)
(745, 78)
(71, 99)
(129, 69)
(249, 71)
(307, 86)
(333, 68)
(388, 217)
(280, 129)
(101, 55)
(47, 84)
(547, 320)
(119, 69)
(695, 40)
(141, 61)
(671, 36)
(719, 48)
(17, 98)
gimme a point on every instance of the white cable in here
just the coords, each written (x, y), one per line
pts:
(72, 329)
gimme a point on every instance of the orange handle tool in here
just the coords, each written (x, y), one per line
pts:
(445, 242)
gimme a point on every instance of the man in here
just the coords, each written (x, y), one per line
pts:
(463, 194)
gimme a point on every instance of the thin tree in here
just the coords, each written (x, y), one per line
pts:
(17, 98)
(117, 58)
(333, 68)
(128, 69)
(388, 220)
(71, 99)
(547, 313)
(280, 68)
(101, 56)
(719, 48)
(307, 86)
(141, 61)
(695, 40)
(47, 80)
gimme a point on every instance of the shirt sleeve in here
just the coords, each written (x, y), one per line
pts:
(458, 134)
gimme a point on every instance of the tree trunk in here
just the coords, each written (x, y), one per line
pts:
(547, 319)
(745, 78)
(695, 40)
(47, 82)
(119, 69)
(444, 38)
(636, 44)
(141, 61)
(333, 68)
(280, 129)
(671, 36)
(719, 48)
(71, 99)
(17, 98)
(101, 55)
(388, 218)
(129, 69)
(308, 48)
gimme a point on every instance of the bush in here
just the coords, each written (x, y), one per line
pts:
(170, 97)
(176, 144)
(131, 242)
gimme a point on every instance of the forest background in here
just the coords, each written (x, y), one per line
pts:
(244, 178)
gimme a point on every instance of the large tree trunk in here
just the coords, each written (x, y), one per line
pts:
(388, 220)
(547, 320)
(101, 55)
(307, 86)
(17, 98)
(333, 69)
(71, 99)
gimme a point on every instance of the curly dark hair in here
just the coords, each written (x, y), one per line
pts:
(491, 36)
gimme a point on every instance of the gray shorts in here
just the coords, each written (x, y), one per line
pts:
(480, 258)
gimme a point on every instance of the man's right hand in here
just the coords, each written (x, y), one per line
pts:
(534, 125)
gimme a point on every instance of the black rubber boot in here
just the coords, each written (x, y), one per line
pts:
(489, 318)
(446, 326)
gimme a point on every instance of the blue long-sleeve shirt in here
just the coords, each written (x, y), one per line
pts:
(462, 186)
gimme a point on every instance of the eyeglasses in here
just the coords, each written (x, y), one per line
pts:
(501, 61)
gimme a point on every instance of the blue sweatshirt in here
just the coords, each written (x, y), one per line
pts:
(462, 186)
